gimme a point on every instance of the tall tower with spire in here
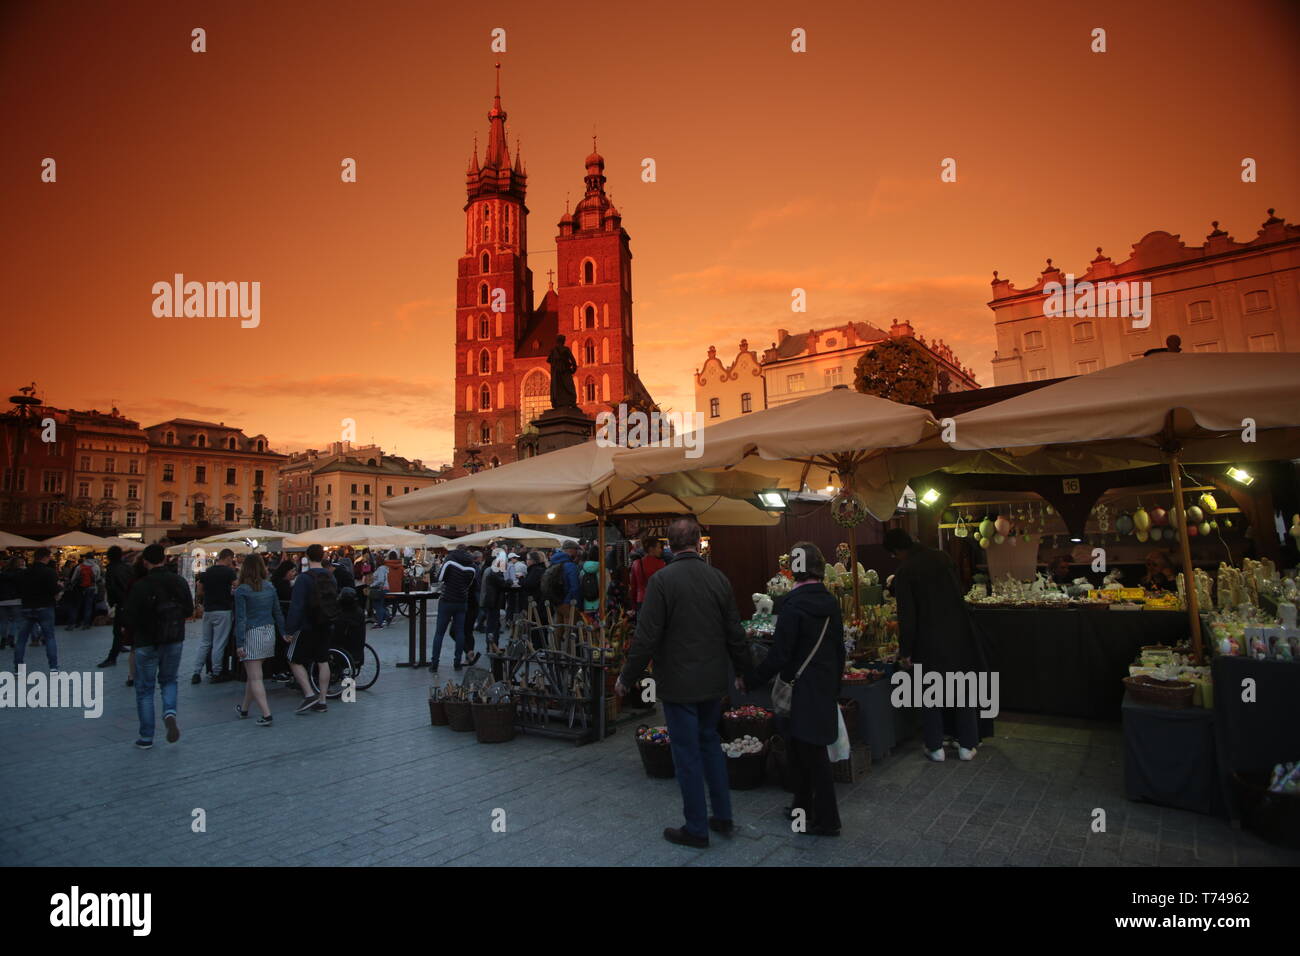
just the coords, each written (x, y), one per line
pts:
(502, 339)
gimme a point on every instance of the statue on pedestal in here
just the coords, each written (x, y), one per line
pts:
(563, 392)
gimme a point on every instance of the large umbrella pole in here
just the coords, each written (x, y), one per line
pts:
(853, 560)
(1189, 573)
(600, 541)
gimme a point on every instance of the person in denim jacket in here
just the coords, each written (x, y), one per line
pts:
(258, 622)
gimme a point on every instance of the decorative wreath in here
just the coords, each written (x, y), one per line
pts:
(847, 510)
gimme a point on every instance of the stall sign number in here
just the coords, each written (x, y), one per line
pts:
(1070, 486)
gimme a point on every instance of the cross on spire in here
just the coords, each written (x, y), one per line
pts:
(550, 278)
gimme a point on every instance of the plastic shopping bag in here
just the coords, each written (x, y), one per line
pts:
(840, 749)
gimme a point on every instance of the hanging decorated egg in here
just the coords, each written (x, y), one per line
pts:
(1141, 520)
(1002, 525)
(1048, 509)
(1013, 539)
(1195, 515)
(1227, 523)
(999, 538)
(1157, 534)
(1159, 516)
(1294, 530)
(1193, 530)
(986, 528)
(1124, 524)
(1025, 537)
(1204, 528)
(1214, 526)
(1208, 503)
(1143, 536)
(984, 542)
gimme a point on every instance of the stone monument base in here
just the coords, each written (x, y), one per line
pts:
(561, 427)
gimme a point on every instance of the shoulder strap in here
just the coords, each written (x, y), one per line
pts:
(813, 652)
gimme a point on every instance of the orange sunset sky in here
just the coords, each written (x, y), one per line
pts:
(775, 170)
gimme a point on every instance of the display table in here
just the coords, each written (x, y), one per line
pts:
(1070, 662)
(417, 614)
(1255, 735)
(1170, 757)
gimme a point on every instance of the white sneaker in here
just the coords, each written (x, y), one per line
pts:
(936, 755)
(965, 754)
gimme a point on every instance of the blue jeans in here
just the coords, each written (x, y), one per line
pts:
(697, 755)
(11, 621)
(33, 618)
(379, 601)
(157, 663)
(453, 613)
(85, 608)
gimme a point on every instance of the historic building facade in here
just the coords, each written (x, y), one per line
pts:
(345, 485)
(36, 474)
(110, 467)
(502, 339)
(807, 363)
(1222, 296)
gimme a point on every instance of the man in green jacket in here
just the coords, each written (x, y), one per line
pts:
(689, 627)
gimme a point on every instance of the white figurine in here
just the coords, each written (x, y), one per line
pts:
(762, 605)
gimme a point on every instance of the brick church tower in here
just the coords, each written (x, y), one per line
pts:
(502, 377)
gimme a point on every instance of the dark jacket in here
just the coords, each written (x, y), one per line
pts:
(532, 582)
(572, 591)
(117, 581)
(39, 585)
(343, 577)
(934, 625)
(9, 581)
(690, 628)
(159, 584)
(457, 576)
(301, 599)
(805, 609)
(494, 587)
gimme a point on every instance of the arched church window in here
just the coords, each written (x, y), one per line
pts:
(589, 353)
(588, 272)
(487, 266)
(485, 433)
(589, 317)
(485, 398)
(483, 292)
(484, 362)
(484, 327)
(589, 389)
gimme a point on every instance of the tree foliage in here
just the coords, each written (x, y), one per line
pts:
(896, 369)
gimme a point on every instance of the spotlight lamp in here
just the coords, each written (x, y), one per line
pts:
(930, 497)
(1241, 476)
(772, 499)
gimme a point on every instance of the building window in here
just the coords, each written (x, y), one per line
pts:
(833, 377)
(1082, 332)
(165, 511)
(133, 492)
(200, 474)
(232, 444)
(133, 467)
(230, 511)
(230, 476)
(15, 481)
(715, 408)
(484, 363)
(170, 438)
(110, 489)
(482, 293)
(200, 510)
(485, 398)
(85, 463)
(485, 433)
(1206, 347)
(1085, 367)
(49, 512)
(794, 383)
(110, 465)
(1037, 374)
(588, 272)
(1033, 340)
(261, 446)
(1257, 301)
(389, 492)
(1201, 311)
(169, 473)
(589, 390)
(132, 519)
(354, 500)
(52, 482)
(536, 397)
(589, 317)
(365, 505)
(257, 478)
(83, 489)
(203, 441)
(746, 402)
(1265, 342)
(484, 327)
(589, 353)
(487, 264)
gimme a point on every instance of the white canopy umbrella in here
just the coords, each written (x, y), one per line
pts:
(359, 536)
(8, 540)
(437, 541)
(529, 537)
(78, 539)
(126, 544)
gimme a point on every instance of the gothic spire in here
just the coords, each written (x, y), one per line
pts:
(498, 155)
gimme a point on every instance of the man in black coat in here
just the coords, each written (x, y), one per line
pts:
(39, 589)
(689, 627)
(117, 581)
(935, 631)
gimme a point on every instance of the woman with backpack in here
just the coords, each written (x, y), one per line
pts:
(258, 620)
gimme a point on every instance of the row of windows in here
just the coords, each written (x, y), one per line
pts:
(746, 405)
(201, 475)
(1263, 342)
(1200, 311)
(588, 276)
(110, 465)
(201, 441)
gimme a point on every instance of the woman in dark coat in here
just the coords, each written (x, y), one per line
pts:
(814, 720)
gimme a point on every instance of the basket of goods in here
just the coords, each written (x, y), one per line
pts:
(1270, 803)
(493, 713)
(437, 709)
(745, 759)
(1162, 693)
(656, 755)
(747, 721)
(781, 762)
(849, 710)
(455, 702)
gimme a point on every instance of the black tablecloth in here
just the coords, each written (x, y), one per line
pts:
(1169, 756)
(1256, 735)
(1070, 663)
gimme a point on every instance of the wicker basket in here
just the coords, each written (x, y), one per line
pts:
(1162, 693)
(733, 728)
(437, 713)
(494, 723)
(746, 771)
(1274, 817)
(781, 763)
(656, 758)
(855, 768)
(460, 715)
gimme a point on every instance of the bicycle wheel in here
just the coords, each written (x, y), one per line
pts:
(367, 671)
(340, 667)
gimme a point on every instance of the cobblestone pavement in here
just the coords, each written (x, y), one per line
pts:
(373, 783)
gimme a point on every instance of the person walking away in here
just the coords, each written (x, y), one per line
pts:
(689, 627)
(85, 582)
(11, 601)
(361, 571)
(457, 579)
(494, 592)
(560, 584)
(935, 631)
(313, 609)
(117, 582)
(258, 624)
(156, 609)
(283, 579)
(589, 584)
(472, 609)
(531, 586)
(138, 573)
(350, 631)
(216, 586)
(644, 568)
(808, 651)
(38, 589)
